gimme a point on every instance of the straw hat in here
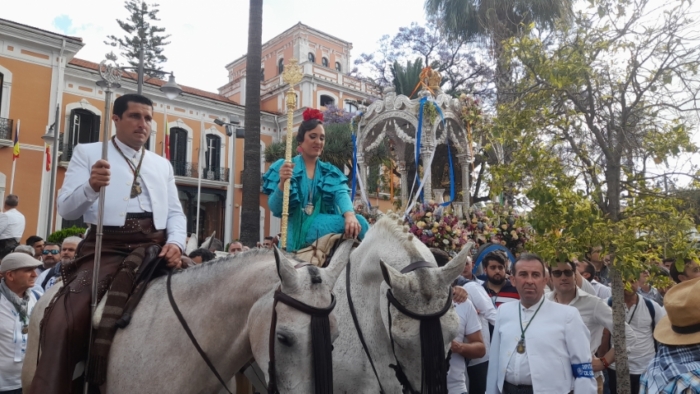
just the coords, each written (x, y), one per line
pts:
(681, 325)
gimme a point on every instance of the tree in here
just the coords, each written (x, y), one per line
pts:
(406, 78)
(604, 107)
(457, 61)
(250, 210)
(141, 34)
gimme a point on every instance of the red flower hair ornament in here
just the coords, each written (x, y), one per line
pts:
(312, 113)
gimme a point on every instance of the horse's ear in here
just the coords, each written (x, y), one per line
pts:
(392, 277)
(285, 269)
(451, 270)
(340, 259)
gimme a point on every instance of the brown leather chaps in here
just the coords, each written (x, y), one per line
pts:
(66, 323)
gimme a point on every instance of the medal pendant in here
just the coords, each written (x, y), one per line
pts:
(309, 209)
(25, 329)
(135, 190)
(521, 346)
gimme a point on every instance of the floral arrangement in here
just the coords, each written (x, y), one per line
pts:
(442, 228)
(438, 227)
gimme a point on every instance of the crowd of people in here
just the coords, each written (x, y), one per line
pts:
(527, 326)
(547, 328)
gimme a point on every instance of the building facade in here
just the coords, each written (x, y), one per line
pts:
(41, 76)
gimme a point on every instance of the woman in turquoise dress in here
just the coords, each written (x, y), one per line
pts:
(319, 197)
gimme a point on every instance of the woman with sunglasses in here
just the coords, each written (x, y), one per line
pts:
(319, 197)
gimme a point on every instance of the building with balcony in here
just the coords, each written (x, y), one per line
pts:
(39, 72)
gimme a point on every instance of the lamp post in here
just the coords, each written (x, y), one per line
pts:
(51, 139)
(234, 133)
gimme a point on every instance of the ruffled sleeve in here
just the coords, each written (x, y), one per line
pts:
(334, 188)
(270, 186)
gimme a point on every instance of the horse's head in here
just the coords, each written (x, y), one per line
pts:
(415, 304)
(301, 338)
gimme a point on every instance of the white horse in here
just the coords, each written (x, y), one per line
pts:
(228, 306)
(375, 268)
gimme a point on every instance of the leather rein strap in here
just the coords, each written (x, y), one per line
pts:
(186, 327)
(279, 296)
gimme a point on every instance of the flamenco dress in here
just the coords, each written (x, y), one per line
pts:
(316, 206)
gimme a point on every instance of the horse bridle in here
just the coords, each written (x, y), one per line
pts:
(435, 335)
(320, 339)
(321, 343)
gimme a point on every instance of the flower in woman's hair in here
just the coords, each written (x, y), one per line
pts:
(312, 113)
(299, 150)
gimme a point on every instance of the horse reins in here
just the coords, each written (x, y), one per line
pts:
(320, 339)
(321, 342)
(430, 331)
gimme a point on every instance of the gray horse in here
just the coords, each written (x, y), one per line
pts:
(375, 268)
(228, 306)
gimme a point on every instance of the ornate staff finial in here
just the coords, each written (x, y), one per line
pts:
(111, 73)
(291, 75)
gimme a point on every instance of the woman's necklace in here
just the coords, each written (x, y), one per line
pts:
(309, 208)
(521, 344)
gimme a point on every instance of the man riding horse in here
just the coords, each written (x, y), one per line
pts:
(144, 221)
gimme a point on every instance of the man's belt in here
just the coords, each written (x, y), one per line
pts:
(509, 388)
(135, 222)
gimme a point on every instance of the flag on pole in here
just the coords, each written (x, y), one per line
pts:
(48, 158)
(15, 149)
(167, 140)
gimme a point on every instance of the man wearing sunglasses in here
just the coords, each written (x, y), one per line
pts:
(594, 311)
(50, 255)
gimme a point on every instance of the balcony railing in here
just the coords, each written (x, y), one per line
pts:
(6, 129)
(191, 170)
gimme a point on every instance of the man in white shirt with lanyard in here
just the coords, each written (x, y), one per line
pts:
(538, 346)
(595, 312)
(143, 219)
(16, 304)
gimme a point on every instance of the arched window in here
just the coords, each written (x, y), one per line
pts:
(350, 107)
(326, 100)
(212, 167)
(338, 68)
(312, 58)
(324, 62)
(280, 66)
(178, 150)
(262, 75)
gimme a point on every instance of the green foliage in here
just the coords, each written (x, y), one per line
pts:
(406, 78)
(58, 236)
(140, 32)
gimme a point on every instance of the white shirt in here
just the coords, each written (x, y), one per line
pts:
(12, 224)
(601, 290)
(159, 193)
(518, 369)
(487, 315)
(468, 324)
(639, 318)
(596, 315)
(13, 344)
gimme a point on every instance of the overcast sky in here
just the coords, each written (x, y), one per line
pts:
(208, 34)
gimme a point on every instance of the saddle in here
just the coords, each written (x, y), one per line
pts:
(320, 252)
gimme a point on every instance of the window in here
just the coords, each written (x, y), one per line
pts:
(178, 150)
(338, 68)
(350, 106)
(84, 128)
(262, 75)
(212, 168)
(326, 100)
(312, 58)
(280, 66)
(324, 62)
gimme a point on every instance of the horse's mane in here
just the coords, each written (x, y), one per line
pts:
(248, 258)
(392, 225)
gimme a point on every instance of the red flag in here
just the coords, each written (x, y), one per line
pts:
(48, 158)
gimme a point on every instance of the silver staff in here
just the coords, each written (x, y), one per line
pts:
(111, 75)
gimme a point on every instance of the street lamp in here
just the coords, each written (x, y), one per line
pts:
(234, 133)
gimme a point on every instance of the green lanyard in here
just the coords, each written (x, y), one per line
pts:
(521, 343)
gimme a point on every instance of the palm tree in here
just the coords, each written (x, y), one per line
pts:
(492, 21)
(406, 77)
(250, 215)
